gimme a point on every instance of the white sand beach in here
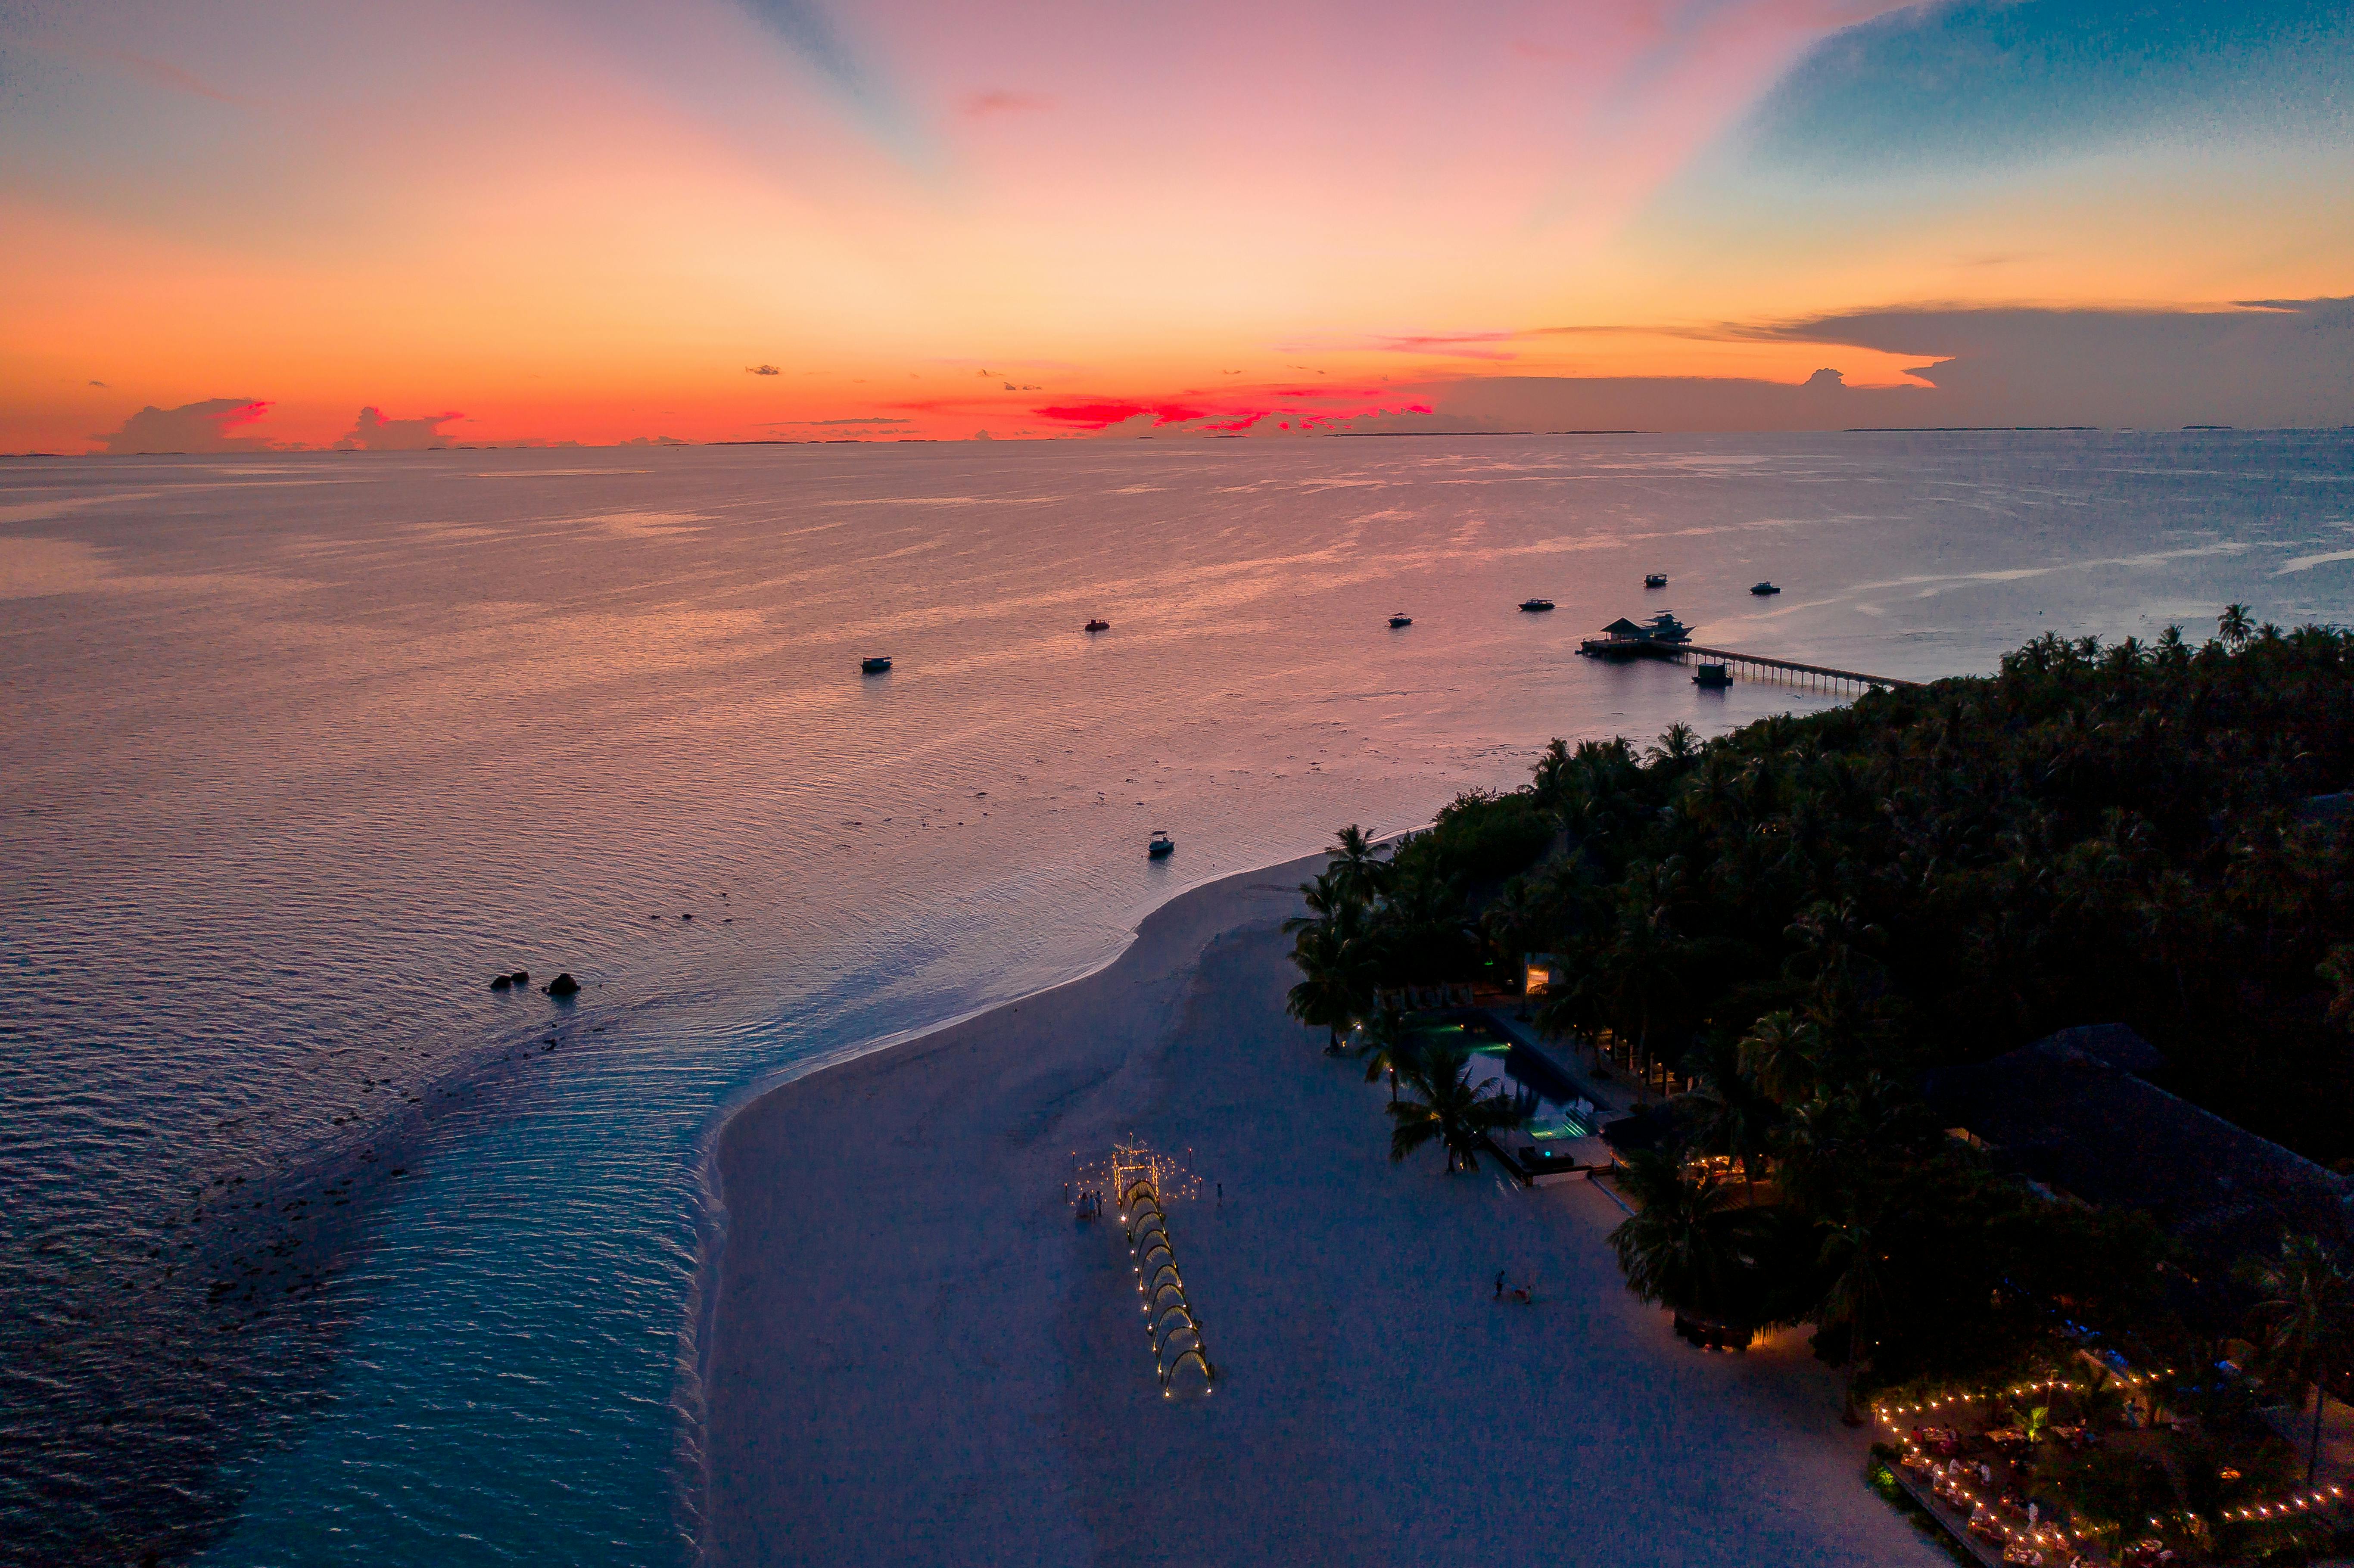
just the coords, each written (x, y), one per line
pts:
(919, 1358)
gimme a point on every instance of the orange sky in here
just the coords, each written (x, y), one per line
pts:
(587, 223)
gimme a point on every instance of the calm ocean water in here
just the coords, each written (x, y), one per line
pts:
(314, 1249)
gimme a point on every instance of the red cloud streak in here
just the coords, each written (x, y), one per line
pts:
(1102, 415)
(1227, 410)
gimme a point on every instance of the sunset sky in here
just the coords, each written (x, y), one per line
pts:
(247, 223)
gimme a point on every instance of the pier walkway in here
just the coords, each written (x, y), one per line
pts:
(1650, 647)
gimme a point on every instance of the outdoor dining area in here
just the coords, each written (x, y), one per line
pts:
(2098, 1466)
(1981, 1481)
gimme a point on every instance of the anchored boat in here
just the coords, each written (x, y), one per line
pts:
(1162, 846)
(874, 665)
(1098, 626)
(1655, 580)
(1666, 628)
(1536, 604)
(1401, 619)
(1763, 588)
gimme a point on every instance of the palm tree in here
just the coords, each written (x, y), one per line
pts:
(1447, 1109)
(1646, 958)
(1513, 920)
(1677, 748)
(1684, 1247)
(1356, 870)
(1783, 1057)
(1553, 772)
(2235, 625)
(2337, 968)
(2100, 1403)
(1335, 984)
(2304, 1319)
(1325, 895)
(1832, 1146)
(1827, 935)
(1388, 1043)
(1851, 1255)
(1426, 931)
(1728, 1114)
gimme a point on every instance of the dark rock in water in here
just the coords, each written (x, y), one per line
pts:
(500, 982)
(563, 985)
(521, 977)
(686, 917)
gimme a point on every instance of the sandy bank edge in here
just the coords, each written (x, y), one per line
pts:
(1223, 899)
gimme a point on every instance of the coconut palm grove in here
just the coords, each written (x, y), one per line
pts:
(1797, 949)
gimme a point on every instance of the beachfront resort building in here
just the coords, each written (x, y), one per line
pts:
(2076, 1115)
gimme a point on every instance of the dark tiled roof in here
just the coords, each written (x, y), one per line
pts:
(2070, 1112)
(2326, 808)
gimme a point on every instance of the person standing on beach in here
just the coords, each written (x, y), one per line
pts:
(1500, 1285)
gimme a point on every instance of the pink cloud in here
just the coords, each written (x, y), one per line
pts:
(372, 432)
(1002, 100)
(191, 428)
(1451, 344)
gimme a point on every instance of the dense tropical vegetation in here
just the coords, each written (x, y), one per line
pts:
(1788, 924)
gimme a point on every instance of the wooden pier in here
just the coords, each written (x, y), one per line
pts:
(1678, 652)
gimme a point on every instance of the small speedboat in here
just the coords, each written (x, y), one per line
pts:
(1400, 619)
(1098, 626)
(874, 665)
(1536, 604)
(1763, 588)
(1655, 580)
(1163, 846)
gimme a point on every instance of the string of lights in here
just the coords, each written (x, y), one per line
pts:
(2053, 1384)
(1987, 1517)
(2289, 1507)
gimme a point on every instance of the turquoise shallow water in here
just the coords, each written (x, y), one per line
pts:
(300, 750)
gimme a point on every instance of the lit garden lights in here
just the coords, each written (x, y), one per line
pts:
(1947, 1481)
